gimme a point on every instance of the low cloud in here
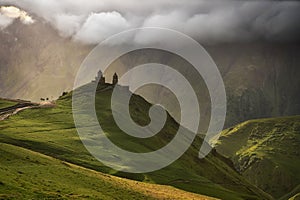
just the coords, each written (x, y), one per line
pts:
(9, 13)
(99, 26)
(206, 21)
(5, 21)
(67, 24)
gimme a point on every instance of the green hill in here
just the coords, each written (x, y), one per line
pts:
(51, 131)
(261, 79)
(27, 174)
(266, 152)
(6, 103)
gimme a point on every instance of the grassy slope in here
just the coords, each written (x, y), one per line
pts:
(26, 174)
(296, 197)
(266, 152)
(51, 131)
(6, 103)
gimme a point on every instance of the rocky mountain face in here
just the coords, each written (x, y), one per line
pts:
(261, 80)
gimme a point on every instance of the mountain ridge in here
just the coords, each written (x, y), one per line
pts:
(59, 139)
(260, 78)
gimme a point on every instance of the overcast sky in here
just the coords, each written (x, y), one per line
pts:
(91, 21)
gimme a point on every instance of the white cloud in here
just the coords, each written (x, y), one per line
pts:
(99, 26)
(25, 19)
(67, 24)
(9, 13)
(207, 21)
(174, 20)
(5, 21)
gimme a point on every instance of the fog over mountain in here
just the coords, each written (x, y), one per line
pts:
(207, 21)
(255, 45)
(51, 146)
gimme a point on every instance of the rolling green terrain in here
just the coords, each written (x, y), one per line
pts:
(266, 152)
(6, 103)
(261, 79)
(51, 131)
(27, 174)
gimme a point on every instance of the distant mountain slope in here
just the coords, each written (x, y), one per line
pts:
(32, 56)
(261, 79)
(51, 131)
(266, 152)
(27, 174)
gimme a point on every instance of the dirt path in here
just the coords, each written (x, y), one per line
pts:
(12, 110)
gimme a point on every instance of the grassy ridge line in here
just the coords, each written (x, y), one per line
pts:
(72, 181)
(208, 176)
(7, 103)
(51, 131)
(266, 152)
(294, 194)
(296, 197)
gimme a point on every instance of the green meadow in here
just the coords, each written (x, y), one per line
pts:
(51, 132)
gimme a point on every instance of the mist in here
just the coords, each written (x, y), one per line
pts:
(37, 36)
(209, 22)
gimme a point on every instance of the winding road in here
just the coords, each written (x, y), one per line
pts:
(12, 110)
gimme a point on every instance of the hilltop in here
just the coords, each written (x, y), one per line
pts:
(51, 131)
(261, 79)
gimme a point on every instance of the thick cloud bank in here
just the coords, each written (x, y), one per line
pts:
(207, 21)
